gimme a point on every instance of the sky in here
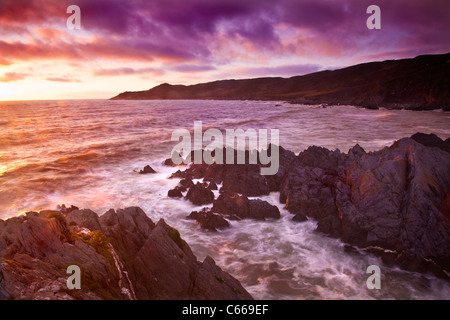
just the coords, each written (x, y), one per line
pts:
(137, 44)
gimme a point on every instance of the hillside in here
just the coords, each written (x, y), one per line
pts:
(419, 83)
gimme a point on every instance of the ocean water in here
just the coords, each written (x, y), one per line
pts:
(88, 152)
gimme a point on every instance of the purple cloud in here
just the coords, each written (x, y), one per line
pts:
(193, 68)
(192, 31)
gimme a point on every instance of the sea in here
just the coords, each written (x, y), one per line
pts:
(88, 153)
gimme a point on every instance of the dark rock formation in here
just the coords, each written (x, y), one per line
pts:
(432, 140)
(245, 179)
(238, 207)
(147, 169)
(208, 220)
(300, 217)
(169, 162)
(212, 186)
(122, 255)
(186, 183)
(397, 199)
(175, 193)
(261, 210)
(200, 195)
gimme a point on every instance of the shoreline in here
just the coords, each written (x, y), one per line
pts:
(382, 199)
(324, 104)
(360, 198)
(395, 84)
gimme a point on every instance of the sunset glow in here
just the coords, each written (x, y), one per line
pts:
(135, 45)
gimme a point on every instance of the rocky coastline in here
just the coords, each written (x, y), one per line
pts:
(394, 202)
(122, 255)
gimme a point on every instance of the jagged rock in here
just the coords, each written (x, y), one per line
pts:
(175, 193)
(212, 186)
(396, 198)
(147, 169)
(200, 195)
(127, 257)
(261, 210)
(208, 220)
(35, 251)
(187, 182)
(246, 178)
(178, 174)
(232, 205)
(286, 159)
(169, 162)
(239, 207)
(300, 217)
(63, 209)
(432, 140)
(85, 218)
(330, 225)
(308, 191)
(356, 151)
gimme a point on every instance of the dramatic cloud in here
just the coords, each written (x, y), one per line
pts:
(190, 39)
(186, 30)
(193, 68)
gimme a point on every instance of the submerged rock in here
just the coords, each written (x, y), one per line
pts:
(169, 162)
(122, 254)
(147, 169)
(300, 217)
(175, 193)
(239, 207)
(209, 220)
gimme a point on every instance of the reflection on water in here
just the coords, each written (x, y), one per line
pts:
(87, 153)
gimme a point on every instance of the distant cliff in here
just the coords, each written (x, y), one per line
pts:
(419, 84)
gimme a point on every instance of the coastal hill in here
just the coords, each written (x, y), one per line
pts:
(421, 83)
